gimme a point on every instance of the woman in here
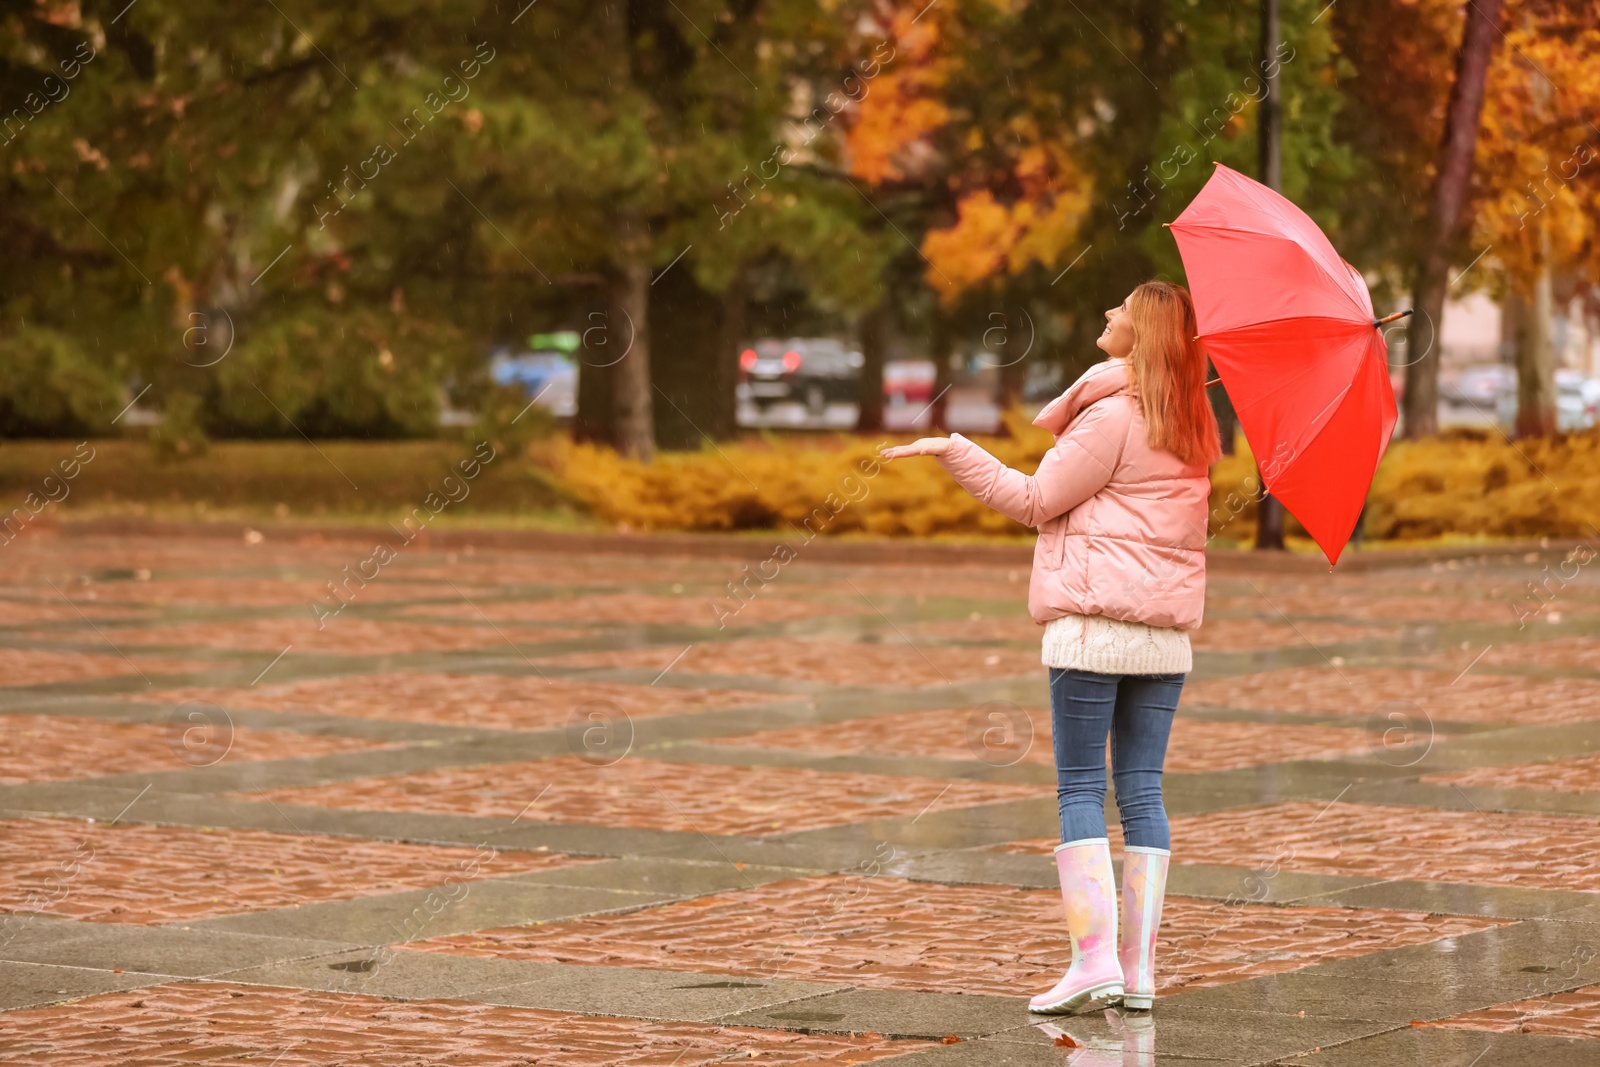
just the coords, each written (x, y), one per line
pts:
(1118, 582)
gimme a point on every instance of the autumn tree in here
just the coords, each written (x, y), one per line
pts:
(1526, 184)
(1452, 176)
(1049, 189)
(1538, 159)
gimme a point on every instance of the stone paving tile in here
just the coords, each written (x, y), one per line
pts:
(1380, 607)
(229, 592)
(682, 610)
(1017, 626)
(1579, 774)
(1453, 580)
(1042, 846)
(880, 585)
(1580, 653)
(38, 748)
(338, 635)
(99, 552)
(493, 701)
(18, 612)
(1529, 850)
(1198, 746)
(655, 795)
(179, 1024)
(833, 662)
(886, 934)
(26, 666)
(134, 873)
(889, 933)
(532, 569)
(1571, 1014)
(1221, 633)
(1001, 733)
(1329, 690)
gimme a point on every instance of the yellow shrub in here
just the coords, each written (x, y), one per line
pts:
(845, 488)
(1466, 483)
(1476, 483)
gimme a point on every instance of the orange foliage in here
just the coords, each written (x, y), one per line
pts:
(975, 247)
(1532, 169)
(895, 135)
(1538, 158)
(989, 238)
(893, 125)
(891, 122)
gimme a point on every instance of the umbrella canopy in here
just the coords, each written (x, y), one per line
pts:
(1290, 328)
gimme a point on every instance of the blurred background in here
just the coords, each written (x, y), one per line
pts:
(289, 259)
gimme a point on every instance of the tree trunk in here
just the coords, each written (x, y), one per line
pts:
(688, 328)
(595, 421)
(1227, 418)
(1269, 523)
(874, 329)
(1536, 371)
(1421, 404)
(1269, 512)
(635, 424)
(1013, 377)
(725, 423)
(941, 343)
(1453, 177)
(1269, 154)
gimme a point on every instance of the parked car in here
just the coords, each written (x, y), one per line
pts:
(1577, 402)
(909, 381)
(814, 371)
(1585, 398)
(548, 377)
(1590, 389)
(1481, 386)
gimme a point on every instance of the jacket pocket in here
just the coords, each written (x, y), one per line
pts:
(1052, 544)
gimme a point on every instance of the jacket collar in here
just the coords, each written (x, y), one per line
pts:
(1104, 379)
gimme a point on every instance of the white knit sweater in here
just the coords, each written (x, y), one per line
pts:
(1111, 646)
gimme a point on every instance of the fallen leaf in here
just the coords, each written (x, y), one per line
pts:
(949, 1039)
(1063, 1041)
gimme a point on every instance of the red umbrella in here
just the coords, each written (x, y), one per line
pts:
(1290, 328)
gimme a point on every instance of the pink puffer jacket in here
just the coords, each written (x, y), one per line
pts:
(1122, 526)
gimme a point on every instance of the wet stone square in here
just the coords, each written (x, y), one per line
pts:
(552, 806)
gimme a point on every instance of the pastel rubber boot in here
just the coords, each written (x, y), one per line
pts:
(1144, 888)
(1089, 891)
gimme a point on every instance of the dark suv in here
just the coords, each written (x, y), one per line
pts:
(814, 371)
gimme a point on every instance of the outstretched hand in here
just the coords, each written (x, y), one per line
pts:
(927, 446)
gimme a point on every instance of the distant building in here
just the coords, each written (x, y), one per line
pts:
(1476, 332)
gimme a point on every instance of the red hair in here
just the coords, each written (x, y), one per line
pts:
(1169, 373)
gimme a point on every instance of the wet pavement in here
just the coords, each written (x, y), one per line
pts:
(514, 808)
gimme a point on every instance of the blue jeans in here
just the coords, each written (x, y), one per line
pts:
(1136, 711)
